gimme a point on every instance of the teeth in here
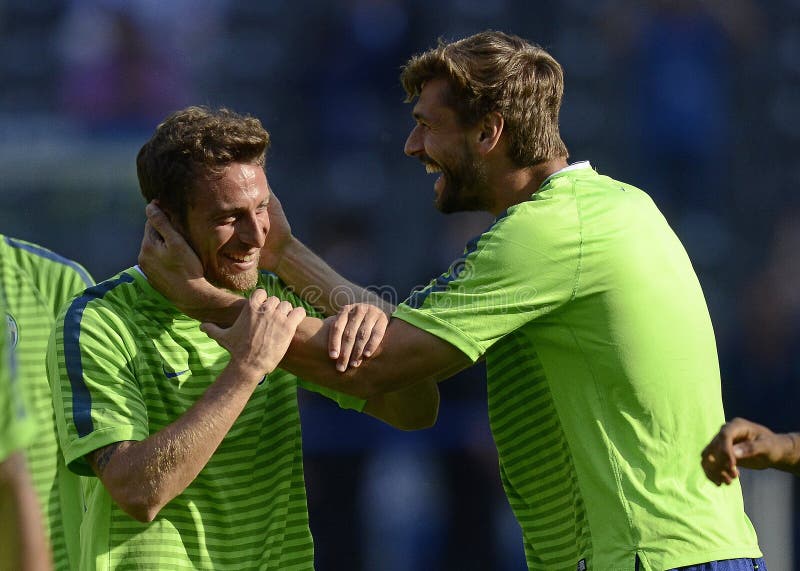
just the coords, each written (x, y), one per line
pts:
(431, 168)
(242, 258)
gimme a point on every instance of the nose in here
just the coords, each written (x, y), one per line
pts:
(413, 145)
(253, 229)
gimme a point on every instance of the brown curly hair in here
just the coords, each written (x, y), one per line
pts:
(494, 71)
(196, 143)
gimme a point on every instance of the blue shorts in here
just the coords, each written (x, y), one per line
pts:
(744, 564)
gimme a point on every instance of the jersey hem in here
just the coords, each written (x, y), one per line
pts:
(750, 552)
(77, 449)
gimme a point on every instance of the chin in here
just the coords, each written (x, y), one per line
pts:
(237, 282)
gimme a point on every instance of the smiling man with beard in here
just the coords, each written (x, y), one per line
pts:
(603, 380)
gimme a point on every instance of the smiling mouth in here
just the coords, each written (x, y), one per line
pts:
(432, 168)
(243, 262)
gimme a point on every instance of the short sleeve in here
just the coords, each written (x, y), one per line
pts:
(17, 426)
(522, 268)
(96, 397)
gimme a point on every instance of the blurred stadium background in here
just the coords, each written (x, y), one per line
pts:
(698, 102)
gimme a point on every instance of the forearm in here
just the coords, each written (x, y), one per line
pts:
(791, 461)
(23, 545)
(413, 408)
(142, 477)
(319, 284)
(406, 357)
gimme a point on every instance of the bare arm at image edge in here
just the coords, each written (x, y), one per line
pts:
(23, 546)
(743, 443)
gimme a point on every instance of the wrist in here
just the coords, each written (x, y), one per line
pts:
(793, 452)
(284, 257)
(244, 370)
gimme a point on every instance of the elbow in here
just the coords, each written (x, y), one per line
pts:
(419, 417)
(141, 512)
(138, 504)
(421, 421)
(414, 424)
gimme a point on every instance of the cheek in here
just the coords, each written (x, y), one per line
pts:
(217, 239)
(263, 221)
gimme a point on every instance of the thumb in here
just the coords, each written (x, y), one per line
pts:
(742, 450)
(212, 330)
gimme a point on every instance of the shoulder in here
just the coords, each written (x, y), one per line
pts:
(537, 227)
(116, 296)
(36, 259)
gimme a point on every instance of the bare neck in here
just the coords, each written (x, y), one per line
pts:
(515, 185)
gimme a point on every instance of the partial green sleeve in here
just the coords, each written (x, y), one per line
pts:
(17, 427)
(71, 280)
(275, 286)
(96, 397)
(513, 273)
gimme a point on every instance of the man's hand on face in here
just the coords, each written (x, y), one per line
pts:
(260, 337)
(279, 237)
(169, 263)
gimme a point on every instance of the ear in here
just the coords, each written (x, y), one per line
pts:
(491, 127)
(173, 218)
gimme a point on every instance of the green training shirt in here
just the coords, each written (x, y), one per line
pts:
(126, 363)
(17, 426)
(36, 282)
(603, 379)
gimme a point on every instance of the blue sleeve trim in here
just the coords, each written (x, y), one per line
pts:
(47, 254)
(81, 398)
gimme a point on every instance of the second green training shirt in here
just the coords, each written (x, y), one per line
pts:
(35, 282)
(17, 426)
(126, 363)
(603, 379)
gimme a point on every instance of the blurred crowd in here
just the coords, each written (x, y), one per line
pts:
(697, 102)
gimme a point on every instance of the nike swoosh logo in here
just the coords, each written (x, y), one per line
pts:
(171, 375)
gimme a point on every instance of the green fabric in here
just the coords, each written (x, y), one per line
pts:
(603, 380)
(36, 282)
(141, 365)
(17, 426)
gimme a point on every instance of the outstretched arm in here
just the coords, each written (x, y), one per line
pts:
(144, 476)
(313, 279)
(405, 383)
(407, 356)
(741, 442)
